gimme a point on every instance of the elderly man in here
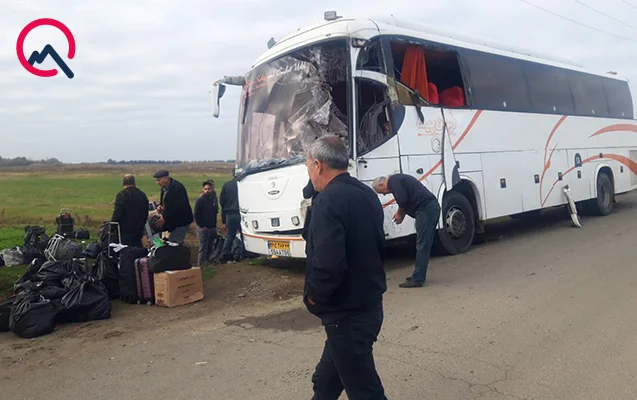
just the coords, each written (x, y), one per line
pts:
(415, 200)
(345, 277)
(175, 210)
(131, 212)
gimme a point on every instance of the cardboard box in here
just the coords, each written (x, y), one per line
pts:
(176, 288)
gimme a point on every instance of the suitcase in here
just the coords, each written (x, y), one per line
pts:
(127, 273)
(65, 222)
(145, 282)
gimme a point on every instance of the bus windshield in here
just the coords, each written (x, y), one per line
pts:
(288, 102)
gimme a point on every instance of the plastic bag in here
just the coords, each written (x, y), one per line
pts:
(5, 311)
(29, 275)
(67, 250)
(216, 250)
(87, 301)
(93, 250)
(52, 272)
(12, 257)
(106, 270)
(32, 316)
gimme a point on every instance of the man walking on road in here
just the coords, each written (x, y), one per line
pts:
(345, 277)
(206, 210)
(230, 216)
(175, 210)
(415, 200)
(131, 212)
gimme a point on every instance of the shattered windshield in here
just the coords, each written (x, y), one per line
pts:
(288, 102)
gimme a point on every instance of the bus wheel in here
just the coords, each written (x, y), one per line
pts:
(603, 203)
(458, 217)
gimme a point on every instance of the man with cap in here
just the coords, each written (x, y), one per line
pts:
(206, 210)
(174, 208)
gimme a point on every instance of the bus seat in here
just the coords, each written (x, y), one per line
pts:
(433, 94)
(453, 97)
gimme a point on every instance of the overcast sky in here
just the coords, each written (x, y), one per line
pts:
(143, 68)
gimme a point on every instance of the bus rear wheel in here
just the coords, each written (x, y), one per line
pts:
(458, 230)
(603, 204)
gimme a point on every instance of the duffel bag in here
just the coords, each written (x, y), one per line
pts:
(169, 258)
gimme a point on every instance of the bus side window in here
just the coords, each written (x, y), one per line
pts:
(433, 72)
(374, 127)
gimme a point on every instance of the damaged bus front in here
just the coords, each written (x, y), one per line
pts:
(285, 104)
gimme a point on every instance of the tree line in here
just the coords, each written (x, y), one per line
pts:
(160, 162)
(23, 161)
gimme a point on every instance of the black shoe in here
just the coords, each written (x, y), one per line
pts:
(411, 284)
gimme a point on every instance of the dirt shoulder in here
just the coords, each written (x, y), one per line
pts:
(236, 288)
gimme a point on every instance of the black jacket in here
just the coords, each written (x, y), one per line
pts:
(206, 210)
(177, 210)
(410, 194)
(131, 210)
(345, 250)
(229, 199)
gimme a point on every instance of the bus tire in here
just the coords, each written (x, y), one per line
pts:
(458, 230)
(603, 204)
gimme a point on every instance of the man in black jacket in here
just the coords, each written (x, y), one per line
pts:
(175, 210)
(206, 210)
(131, 212)
(230, 215)
(415, 200)
(345, 277)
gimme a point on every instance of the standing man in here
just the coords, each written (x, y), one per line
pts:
(206, 210)
(345, 277)
(415, 200)
(175, 210)
(230, 215)
(131, 212)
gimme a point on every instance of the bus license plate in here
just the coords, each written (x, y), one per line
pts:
(281, 249)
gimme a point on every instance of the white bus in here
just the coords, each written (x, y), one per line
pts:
(492, 132)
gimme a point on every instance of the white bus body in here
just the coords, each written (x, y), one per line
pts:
(500, 133)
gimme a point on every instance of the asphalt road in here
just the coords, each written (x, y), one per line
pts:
(539, 311)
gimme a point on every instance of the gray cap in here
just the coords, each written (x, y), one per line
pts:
(160, 174)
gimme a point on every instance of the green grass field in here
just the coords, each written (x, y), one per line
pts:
(36, 197)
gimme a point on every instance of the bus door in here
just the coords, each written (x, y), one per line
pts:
(377, 147)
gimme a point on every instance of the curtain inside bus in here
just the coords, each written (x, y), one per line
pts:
(414, 73)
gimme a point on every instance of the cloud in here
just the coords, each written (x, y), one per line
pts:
(143, 69)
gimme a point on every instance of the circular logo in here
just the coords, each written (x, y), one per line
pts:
(436, 144)
(48, 50)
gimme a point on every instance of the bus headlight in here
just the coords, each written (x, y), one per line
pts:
(296, 221)
(255, 224)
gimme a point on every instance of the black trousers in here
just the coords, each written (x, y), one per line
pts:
(347, 362)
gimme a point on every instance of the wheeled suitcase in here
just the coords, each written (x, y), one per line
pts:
(128, 274)
(65, 222)
(145, 282)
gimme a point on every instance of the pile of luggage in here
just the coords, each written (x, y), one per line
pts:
(52, 293)
(35, 242)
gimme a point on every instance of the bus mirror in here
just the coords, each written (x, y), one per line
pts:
(397, 117)
(216, 93)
